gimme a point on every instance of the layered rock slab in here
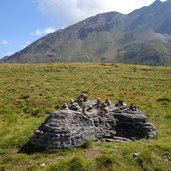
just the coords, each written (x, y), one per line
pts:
(69, 128)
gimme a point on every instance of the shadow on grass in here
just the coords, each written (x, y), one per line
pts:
(29, 148)
(168, 117)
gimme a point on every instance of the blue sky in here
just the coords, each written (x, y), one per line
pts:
(24, 21)
(19, 21)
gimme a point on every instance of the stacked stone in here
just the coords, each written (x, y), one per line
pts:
(69, 128)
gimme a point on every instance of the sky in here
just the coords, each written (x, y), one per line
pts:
(25, 21)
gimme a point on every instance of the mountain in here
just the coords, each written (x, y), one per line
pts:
(141, 37)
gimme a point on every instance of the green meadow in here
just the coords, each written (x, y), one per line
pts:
(29, 92)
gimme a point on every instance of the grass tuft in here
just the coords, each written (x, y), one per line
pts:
(87, 144)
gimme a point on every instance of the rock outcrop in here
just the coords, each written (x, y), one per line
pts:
(69, 128)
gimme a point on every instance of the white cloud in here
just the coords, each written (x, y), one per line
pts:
(36, 33)
(39, 32)
(8, 53)
(3, 42)
(67, 12)
(49, 30)
(5, 54)
(26, 44)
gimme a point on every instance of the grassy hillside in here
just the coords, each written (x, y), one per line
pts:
(29, 92)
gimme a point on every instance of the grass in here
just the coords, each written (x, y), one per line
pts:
(29, 92)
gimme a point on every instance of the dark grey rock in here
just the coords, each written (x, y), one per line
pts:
(69, 128)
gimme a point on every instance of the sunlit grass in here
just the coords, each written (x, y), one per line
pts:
(29, 92)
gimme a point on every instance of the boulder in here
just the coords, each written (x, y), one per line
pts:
(69, 128)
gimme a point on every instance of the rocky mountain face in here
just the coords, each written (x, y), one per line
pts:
(141, 37)
(70, 128)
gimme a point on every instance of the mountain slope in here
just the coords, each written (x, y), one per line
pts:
(143, 36)
(149, 35)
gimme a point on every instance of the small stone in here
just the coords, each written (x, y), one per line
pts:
(42, 165)
(136, 154)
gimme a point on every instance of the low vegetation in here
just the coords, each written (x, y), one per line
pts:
(28, 93)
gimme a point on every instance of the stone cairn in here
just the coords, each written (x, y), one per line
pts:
(83, 119)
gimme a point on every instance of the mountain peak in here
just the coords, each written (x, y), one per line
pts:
(156, 2)
(141, 37)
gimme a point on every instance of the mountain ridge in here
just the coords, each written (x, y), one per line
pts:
(140, 37)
